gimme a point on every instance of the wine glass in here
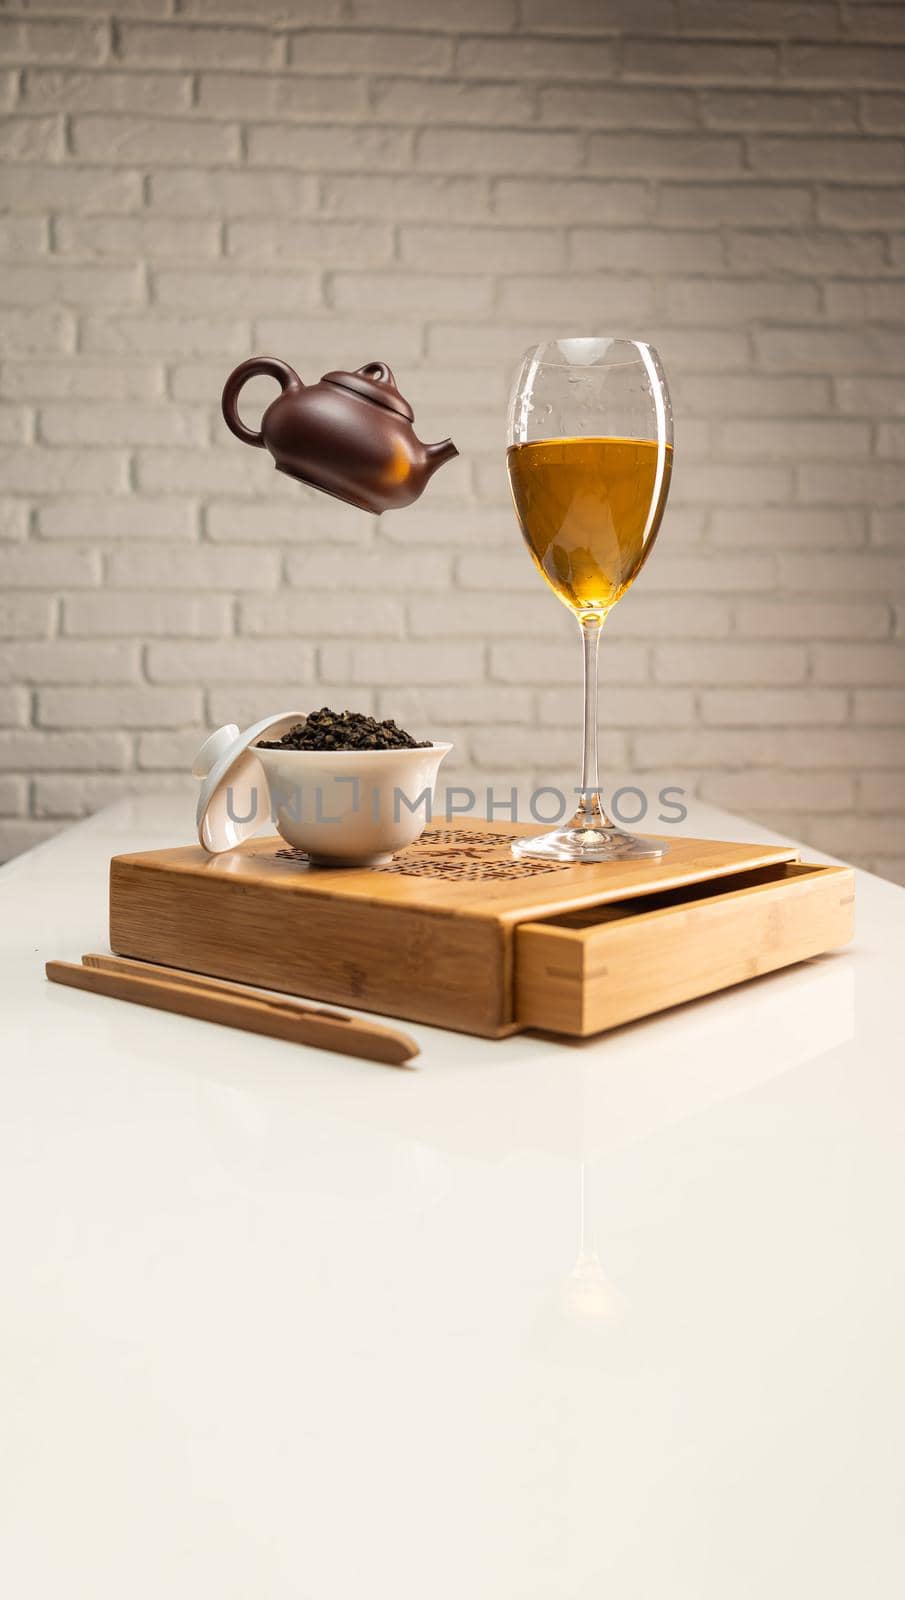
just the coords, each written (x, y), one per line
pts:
(590, 458)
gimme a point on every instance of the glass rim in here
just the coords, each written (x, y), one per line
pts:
(605, 341)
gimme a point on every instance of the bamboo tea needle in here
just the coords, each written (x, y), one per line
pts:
(211, 1000)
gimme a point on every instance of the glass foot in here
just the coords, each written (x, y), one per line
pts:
(582, 843)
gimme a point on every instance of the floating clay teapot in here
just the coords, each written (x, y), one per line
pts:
(350, 435)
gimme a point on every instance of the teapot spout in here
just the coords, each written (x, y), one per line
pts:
(437, 454)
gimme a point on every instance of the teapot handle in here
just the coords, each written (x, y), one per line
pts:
(258, 366)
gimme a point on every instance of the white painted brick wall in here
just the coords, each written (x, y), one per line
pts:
(439, 184)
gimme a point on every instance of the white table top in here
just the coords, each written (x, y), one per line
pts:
(531, 1322)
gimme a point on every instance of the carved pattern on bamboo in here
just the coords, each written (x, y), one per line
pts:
(457, 855)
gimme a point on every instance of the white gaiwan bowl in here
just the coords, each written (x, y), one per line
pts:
(351, 808)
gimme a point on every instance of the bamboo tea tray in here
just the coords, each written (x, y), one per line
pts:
(457, 933)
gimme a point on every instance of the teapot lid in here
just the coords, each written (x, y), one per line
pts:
(374, 382)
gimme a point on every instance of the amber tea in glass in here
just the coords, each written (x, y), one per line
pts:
(590, 459)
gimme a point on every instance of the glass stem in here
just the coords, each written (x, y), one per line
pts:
(590, 812)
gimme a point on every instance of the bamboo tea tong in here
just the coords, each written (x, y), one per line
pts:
(191, 994)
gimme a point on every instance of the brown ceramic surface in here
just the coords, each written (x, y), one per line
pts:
(350, 435)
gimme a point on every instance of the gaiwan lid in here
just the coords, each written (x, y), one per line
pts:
(235, 801)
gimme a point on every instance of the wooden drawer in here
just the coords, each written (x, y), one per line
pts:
(455, 933)
(595, 968)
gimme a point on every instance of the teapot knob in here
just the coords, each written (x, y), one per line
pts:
(379, 371)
